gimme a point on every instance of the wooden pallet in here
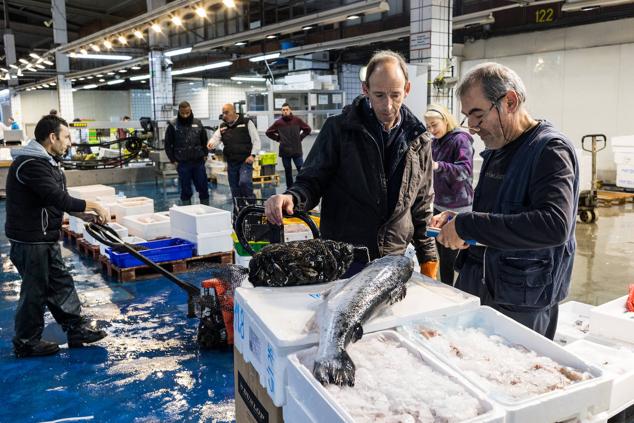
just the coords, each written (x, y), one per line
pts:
(612, 198)
(70, 236)
(87, 249)
(130, 274)
(266, 179)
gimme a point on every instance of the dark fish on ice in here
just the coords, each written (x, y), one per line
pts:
(307, 262)
(345, 310)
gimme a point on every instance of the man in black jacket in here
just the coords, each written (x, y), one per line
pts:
(36, 202)
(371, 168)
(186, 146)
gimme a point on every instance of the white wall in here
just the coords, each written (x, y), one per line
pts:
(101, 105)
(36, 104)
(194, 92)
(579, 78)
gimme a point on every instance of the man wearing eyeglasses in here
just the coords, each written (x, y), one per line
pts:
(525, 204)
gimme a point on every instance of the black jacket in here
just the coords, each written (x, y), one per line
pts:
(186, 140)
(36, 196)
(346, 170)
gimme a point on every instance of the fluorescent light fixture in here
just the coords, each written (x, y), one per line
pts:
(95, 47)
(352, 17)
(13, 66)
(200, 11)
(139, 77)
(307, 27)
(73, 80)
(83, 51)
(177, 52)
(143, 81)
(116, 81)
(37, 65)
(82, 79)
(102, 80)
(587, 5)
(4, 70)
(122, 40)
(241, 43)
(110, 73)
(19, 73)
(201, 68)
(33, 55)
(472, 19)
(104, 56)
(32, 69)
(99, 75)
(26, 62)
(264, 57)
(239, 82)
(52, 83)
(138, 34)
(39, 60)
(177, 21)
(90, 77)
(122, 71)
(248, 78)
(271, 37)
(89, 87)
(47, 62)
(45, 85)
(156, 28)
(107, 44)
(135, 67)
(229, 3)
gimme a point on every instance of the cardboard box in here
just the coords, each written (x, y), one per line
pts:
(253, 403)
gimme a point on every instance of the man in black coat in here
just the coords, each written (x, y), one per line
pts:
(186, 147)
(36, 202)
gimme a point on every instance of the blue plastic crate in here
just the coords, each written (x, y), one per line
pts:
(158, 251)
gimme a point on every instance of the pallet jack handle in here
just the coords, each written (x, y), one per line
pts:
(597, 142)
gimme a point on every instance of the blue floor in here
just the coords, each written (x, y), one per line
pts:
(148, 369)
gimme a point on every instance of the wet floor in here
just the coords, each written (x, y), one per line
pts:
(149, 368)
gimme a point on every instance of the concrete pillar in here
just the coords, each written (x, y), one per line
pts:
(431, 43)
(10, 57)
(60, 36)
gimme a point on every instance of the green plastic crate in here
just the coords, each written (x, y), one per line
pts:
(256, 245)
(268, 159)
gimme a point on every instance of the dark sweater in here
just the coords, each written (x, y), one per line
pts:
(289, 132)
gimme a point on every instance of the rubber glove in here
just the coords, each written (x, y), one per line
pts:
(429, 268)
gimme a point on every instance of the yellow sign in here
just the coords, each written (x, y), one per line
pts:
(78, 124)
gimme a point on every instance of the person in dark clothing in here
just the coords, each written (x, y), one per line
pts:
(241, 144)
(289, 131)
(36, 202)
(186, 147)
(371, 167)
(524, 208)
(452, 152)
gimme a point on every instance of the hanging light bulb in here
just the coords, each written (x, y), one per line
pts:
(122, 40)
(95, 47)
(107, 44)
(83, 51)
(229, 3)
(200, 11)
(177, 21)
(138, 34)
(156, 28)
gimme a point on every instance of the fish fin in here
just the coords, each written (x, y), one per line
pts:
(397, 294)
(357, 333)
(333, 289)
(339, 370)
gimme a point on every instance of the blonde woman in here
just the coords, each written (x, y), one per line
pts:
(452, 154)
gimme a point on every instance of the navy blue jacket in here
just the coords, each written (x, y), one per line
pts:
(530, 231)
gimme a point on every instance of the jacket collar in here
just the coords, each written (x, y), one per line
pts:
(34, 149)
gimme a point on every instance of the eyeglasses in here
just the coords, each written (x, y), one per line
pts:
(476, 128)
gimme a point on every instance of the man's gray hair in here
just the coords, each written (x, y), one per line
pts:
(496, 80)
(382, 56)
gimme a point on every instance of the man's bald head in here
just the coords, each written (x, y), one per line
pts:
(229, 113)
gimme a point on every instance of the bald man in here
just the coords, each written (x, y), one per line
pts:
(241, 143)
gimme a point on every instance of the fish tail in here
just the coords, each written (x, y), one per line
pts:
(338, 370)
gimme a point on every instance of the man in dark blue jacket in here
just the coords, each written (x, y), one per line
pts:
(524, 208)
(36, 202)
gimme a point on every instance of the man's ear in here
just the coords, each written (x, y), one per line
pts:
(365, 89)
(512, 101)
(408, 86)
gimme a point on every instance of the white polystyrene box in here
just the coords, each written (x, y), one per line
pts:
(121, 231)
(131, 206)
(200, 219)
(573, 322)
(216, 242)
(90, 192)
(76, 224)
(611, 320)
(625, 175)
(127, 240)
(308, 401)
(271, 323)
(616, 360)
(588, 397)
(148, 226)
(241, 260)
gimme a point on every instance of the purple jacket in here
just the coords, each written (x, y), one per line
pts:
(454, 177)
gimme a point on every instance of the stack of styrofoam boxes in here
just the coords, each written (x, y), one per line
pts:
(208, 227)
(329, 82)
(89, 193)
(578, 400)
(148, 226)
(302, 81)
(107, 201)
(270, 324)
(612, 320)
(307, 401)
(573, 322)
(131, 206)
(623, 149)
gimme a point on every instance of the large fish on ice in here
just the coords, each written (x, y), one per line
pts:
(345, 310)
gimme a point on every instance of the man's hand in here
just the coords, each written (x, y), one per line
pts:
(249, 160)
(210, 145)
(440, 220)
(275, 205)
(102, 213)
(450, 238)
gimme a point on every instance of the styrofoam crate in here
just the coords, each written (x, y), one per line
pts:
(308, 401)
(625, 175)
(615, 360)
(611, 320)
(131, 206)
(121, 231)
(126, 239)
(76, 224)
(90, 192)
(217, 242)
(573, 322)
(271, 323)
(149, 226)
(579, 400)
(200, 219)
(241, 260)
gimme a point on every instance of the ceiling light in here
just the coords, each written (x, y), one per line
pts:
(143, 81)
(201, 68)
(89, 87)
(99, 75)
(110, 73)
(32, 69)
(229, 3)
(104, 56)
(177, 21)
(248, 78)
(83, 51)
(123, 41)
(82, 78)
(90, 77)
(115, 81)
(200, 11)
(241, 43)
(122, 71)
(33, 55)
(19, 73)
(307, 27)
(177, 52)
(95, 47)
(37, 65)
(135, 67)
(47, 62)
(264, 57)
(73, 80)
(102, 80)
(13, 66)
(139, 77)
(271, 36)
(107, 44)
(45, 85)
(588, 5)
(239, 82)
(4, 70)
(26, 62)
(138, 34)
(73, 54)
(52, 83)
(352, 17)
(156, 28)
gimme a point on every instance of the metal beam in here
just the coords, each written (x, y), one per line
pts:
(74, 10)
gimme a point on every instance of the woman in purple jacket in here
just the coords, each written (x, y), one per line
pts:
(452, 154)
